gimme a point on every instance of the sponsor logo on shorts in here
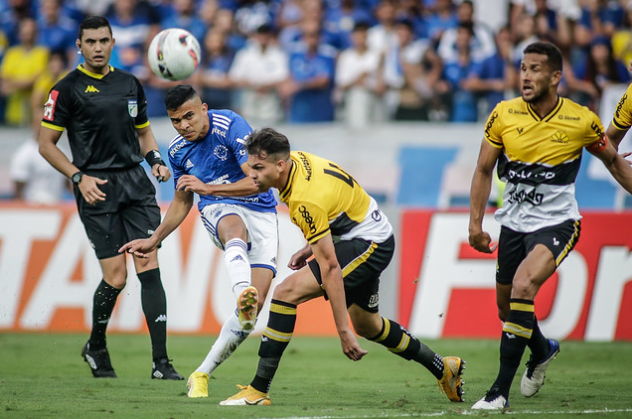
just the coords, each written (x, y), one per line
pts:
(374, 301)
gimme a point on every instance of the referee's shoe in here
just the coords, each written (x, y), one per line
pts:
(99, 361)
(163, 370)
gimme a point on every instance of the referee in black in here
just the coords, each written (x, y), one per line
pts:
(104, 111)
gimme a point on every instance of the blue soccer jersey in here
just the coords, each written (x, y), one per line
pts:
(217, 158)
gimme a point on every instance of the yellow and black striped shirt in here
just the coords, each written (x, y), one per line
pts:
(540, 160)
(324, 199)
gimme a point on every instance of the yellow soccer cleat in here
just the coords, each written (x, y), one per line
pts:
(451, 383)
(247, 307)
(198, 385)
(248, 396)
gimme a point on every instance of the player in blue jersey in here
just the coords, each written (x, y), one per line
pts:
(208, 157)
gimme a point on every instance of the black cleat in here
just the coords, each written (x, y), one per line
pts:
(163, 370)
(99, 361)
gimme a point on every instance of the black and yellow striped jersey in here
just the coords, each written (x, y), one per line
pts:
(324, 199)
(622, 118)
(540, 160)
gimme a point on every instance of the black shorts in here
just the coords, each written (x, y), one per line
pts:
(129, 211)
(362, 262)
(513, 246)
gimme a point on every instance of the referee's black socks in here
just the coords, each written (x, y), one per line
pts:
(154, 302)
(103, 303)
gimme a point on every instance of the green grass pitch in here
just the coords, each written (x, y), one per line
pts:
(43, 376)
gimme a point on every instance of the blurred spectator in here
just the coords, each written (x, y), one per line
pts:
(89, 7)
(411, 69)
(313, 14)
(494, 76)
(134, 22)
(35, 181)
(553, 19)
(55, 31)
(455, 74)
(524, 34)
(20, 67)
(622, 39)
(309, 90)
(590, 77)
(599, 18)
(381, 36)
(288, 20)
(184, 17)
(217, 58)
(413, 11)
(257, 71)
(443, 17)
(224, 22)
(253, 14)
(56, 69)
(357, 72)
(207, 11)
(341, 20)
(481, 43)
(11, 17)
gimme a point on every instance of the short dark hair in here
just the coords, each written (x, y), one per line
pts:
(361, 26)
(266, 142)
(94, 22)
(553, 54)
(176, 96)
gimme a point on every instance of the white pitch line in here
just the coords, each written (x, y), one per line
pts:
(464, 413)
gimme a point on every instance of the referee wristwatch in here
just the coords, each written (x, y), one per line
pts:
(76, 178)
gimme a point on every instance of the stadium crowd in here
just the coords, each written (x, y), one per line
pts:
(303, 61)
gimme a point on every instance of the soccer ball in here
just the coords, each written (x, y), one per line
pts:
(174, 54)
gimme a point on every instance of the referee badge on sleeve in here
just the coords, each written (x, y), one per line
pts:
(132, 108)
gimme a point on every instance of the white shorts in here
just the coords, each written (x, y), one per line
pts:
(262, 227)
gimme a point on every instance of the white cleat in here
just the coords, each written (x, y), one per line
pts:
(497, 403)
(533, 377)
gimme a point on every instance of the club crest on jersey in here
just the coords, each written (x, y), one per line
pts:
(132, 108)
(221, 152)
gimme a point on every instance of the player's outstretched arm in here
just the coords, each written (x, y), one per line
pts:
(479, 195)
(615, 135)
(177, 212)
(331, 273)
(616, 164)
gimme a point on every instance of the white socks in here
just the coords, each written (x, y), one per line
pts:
(237, 264)
(230, 337)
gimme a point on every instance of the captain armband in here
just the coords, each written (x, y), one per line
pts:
(599, 146)
(153, 158)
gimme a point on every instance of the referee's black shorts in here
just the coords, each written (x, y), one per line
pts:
(129, 211)
(362, 262)
(514, 246)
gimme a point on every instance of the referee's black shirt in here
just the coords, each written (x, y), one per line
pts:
(101, 114)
